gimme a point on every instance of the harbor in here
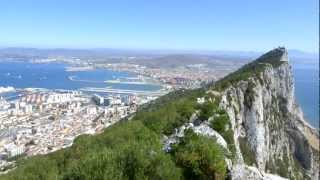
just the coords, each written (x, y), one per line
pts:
(124, 91)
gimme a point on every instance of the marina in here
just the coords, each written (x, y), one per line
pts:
(123, 91)
(54, 76)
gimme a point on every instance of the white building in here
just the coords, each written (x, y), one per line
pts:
(28, 109)
(91, 110)
(14, 150)
(98, 99)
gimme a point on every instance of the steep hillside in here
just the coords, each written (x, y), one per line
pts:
(245, 126)
(269, 130)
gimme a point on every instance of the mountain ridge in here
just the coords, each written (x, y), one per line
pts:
(247, 55)
(264, 112)
(246, 126)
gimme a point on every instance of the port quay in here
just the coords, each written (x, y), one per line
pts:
(123, 91)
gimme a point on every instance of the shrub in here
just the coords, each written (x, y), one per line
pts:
(247, 153)
(200, 157)
(169, 116)
(207, 110)
(219, 123)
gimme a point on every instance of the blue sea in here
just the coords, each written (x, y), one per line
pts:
(307, 90)
(54, 76)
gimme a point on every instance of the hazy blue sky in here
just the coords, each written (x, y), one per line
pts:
(156, 24)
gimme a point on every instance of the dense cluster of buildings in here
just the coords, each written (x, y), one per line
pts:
(42, 122)
(189, 76)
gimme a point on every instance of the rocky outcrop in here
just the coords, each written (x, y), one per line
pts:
(202, 129)
(271, 139)
(268, 124)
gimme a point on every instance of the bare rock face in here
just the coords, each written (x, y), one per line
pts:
(271, 138)
(271, 135)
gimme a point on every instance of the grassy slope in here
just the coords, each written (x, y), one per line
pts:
(250, 70)
(133, 150)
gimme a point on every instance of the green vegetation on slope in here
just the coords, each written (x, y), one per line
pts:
(207, 109)
(169, 111)
(167, 118)
(133, 149)
(200, 157)
(128, 150)
(221, 124)
(252, 69)
(247, 153)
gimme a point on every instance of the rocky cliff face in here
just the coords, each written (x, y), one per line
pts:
(270, 133)
(271, 139)
(245, 126)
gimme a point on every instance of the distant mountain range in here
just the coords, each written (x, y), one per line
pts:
(100, 52)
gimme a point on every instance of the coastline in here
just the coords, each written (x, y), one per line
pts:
(149, 80)
(118, 84)
(79, 68)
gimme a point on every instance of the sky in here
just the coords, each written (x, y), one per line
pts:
(246, 25)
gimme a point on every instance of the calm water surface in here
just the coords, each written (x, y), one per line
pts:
(307, 91)
(54, 76)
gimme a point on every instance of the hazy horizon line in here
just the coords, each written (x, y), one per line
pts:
(155, 49)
